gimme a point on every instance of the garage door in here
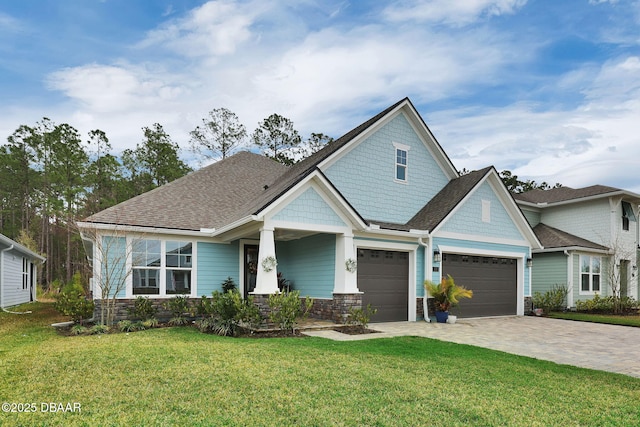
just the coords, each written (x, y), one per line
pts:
(494, 282)
(383, 277)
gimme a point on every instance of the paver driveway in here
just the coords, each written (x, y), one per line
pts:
(589, 345)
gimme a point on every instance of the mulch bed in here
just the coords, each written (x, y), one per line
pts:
(354, 330)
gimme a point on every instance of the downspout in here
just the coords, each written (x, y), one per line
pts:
(569, 279)
(427, 270)
(2, 282)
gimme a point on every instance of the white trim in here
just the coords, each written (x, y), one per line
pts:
(600, 274)
(400, 146)
(481, 239)
(520, 260)
(412, 249)
(143, 230)
(486, 211)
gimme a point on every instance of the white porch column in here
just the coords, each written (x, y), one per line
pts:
(266, 281)
(346, 282)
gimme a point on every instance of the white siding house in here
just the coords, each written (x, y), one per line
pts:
(18, 273)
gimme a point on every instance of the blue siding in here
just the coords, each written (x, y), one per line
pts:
(309, 208)
(114, 265)
(309, 263)
(216, 262)
(468, 219)
(470, 244)
(366, 175)
(420, 273)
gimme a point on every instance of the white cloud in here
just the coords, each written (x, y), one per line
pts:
(451, 12)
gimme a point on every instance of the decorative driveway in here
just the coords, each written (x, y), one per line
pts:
(589, 345)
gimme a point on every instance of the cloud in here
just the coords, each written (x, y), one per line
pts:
(450, 12)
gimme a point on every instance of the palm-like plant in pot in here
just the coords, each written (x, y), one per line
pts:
(446, 294)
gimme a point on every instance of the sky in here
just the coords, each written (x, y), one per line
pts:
(549, 90)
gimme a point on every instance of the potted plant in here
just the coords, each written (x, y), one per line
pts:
(446, 294)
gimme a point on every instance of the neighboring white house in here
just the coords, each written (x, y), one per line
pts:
(590, 237)
(18, 273)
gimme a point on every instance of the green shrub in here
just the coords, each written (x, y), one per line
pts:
(72, 301)
(361, 317)
(287, 309)
(79, 330)
(228, 285)
(178, 306)
(130, 326)
(554, 299)
(99, 329)
(225, 313)
(150, 323)
(143, 309)
(607, 305)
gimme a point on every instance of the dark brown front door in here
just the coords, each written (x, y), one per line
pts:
(250, 268)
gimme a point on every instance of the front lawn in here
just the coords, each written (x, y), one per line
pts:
(631, 320)
(179, 376)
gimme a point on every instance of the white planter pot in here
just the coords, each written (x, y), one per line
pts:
(452, 319)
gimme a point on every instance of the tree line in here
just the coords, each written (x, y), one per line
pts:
(50, 177)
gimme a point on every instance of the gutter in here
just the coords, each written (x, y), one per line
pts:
(2, 282)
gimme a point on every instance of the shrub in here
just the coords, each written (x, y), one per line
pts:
(143, 309)
(150, 323)
(607, 305)
(361, 317)
(554, 299)
(178, 306)
(99, 329)
(225, 313)
(79, 330)
(287, 309)
(72, 302)
(130, 326)
(228, 285)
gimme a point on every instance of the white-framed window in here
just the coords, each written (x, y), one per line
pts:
(161, 267)
(590, 271)
(401, 162)
(25, 273)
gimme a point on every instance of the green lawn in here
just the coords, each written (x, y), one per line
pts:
(599, 318)
(178, 376)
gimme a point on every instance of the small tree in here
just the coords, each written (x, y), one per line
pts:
(219, 135)
(112, 253)
(277, 139)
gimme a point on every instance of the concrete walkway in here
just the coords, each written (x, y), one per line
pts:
(588, 345)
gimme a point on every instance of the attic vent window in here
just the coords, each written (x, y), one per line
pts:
(627, 215)
(401, 161)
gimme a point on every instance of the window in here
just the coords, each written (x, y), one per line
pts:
(627, 215)
(178, 273)
(25, 273)
(590, 273)
(146, 264)
(162, 268)
(402, 153)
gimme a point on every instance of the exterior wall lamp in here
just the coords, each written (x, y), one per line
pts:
(529, 262)
(437, 257)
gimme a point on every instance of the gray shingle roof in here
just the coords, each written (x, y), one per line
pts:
(211, 197)
(551, 238)
(563, 194)
(436, 210)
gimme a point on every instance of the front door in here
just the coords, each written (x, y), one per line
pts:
(250, 268)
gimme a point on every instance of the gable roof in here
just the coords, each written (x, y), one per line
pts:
(562, 195)
(437, 209)
(5, 241)
(237, 187)
(555, 239)
(208, 198)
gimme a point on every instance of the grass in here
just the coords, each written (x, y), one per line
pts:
(178, 376)
(632, 320)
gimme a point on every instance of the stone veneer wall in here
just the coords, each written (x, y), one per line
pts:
(528, 305)
(336, 309)
(123, 306)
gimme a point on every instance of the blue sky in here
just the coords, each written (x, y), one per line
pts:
(547, 89)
